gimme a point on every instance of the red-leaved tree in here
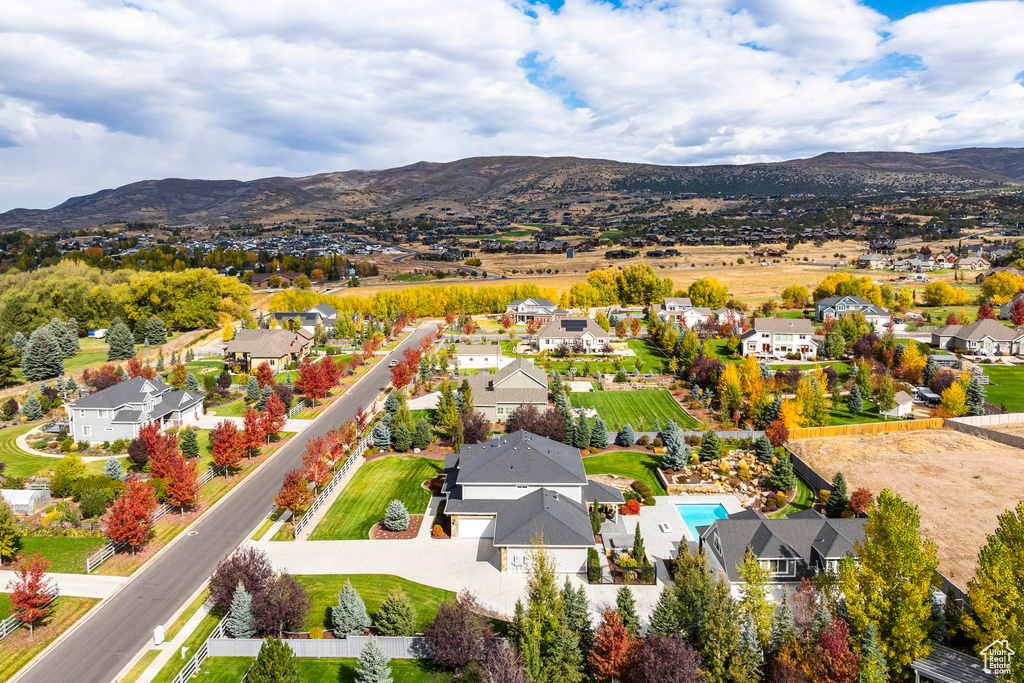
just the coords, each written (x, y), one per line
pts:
(986, 312)
(252, 431)
(128, 519)
(264, 375)
(613, 647)
(361, 418)
(316, 462)
(833, 662)
(133, 367)
(181, 484)
(30, 591)
(402, 374)
(311, 381)
(163, 449)
(274, 417)
(450, 317)
(860, 501)
(294, 493)
(226, 445)
(1017, 312)
(330, 371)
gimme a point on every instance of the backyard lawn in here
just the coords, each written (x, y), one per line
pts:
(639, 408)
(842, 368)
(233, 409)
(373, 588)
(20, 463)
(232, 669)
(66, 555)
(839, 415)
(632, 464)
(649, 354)
(803, 499)
(377, 483)
(1007, 386)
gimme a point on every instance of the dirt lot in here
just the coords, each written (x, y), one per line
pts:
(1017, 428)
(960, 483)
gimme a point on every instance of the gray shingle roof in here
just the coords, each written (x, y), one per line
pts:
(560, 521)
(488, 389)
(519, 458)
(945, 665)
(605, 494)
(979, 330)
(478, 349)
(123, 393)
(127, 416)
(784, 325)
(556, 329)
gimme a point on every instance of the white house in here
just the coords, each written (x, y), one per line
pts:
(582, 333)
(983, 338)
(518, 488)
(480, 356)
(672, 307)
(904, 406)
(778, 337)
(118, 412)
(519, 382)
(537, 310)
(692, 317)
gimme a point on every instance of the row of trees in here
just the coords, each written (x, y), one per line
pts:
(320, 458)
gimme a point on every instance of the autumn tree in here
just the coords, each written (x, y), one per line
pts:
(30, 591)
(312, 381)
(129, 518)
(264, 375)
(181, 483)
(274, 417)
(316, 463)
(252, 431)
(613, 647)
(294, 494)
(227, 445)
(833, 661)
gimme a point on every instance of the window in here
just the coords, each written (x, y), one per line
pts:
(718, 544)
(102, 413)
(86, 430)
(782, 567)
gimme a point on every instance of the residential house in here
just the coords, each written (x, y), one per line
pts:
(673, 307)
(263, 279)
(120, 411)
(838, 306)
(983, 338)
(320, 315)
(1004, 310)
(779, 337)
(539, 311)
(519, 488)
(791, 548)
(477, 356)
(620, 254)
(904, 406)
(972, 263)
(981, 277)
(873, 262)
(730, 316)
(519, 382)
(580, 333)
(277, 348)
(918, 263)
(692, 317)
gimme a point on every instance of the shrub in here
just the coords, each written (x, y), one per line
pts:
(437, 531)
(780, 499)
(657, 443)
(94, 503)
(643, 440)
(777, 432)
(593, 566)
(396, 616)
(823, 496)
(118, 446)
(723, 468)
(316, 633)
(396, 517)
(632, 507)
(96, 481)
(645, 492)
(647, 573)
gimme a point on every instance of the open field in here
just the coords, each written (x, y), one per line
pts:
(373, 589)
(639, 408)
(377, 483)
(1008, 386)
(232, 669)
(960, 483)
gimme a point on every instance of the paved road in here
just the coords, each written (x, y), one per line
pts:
(106, 642)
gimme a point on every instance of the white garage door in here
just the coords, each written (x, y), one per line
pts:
(476, 527)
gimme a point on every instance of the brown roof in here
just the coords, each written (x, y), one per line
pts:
(266, 343)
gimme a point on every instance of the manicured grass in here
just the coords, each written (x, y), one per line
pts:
(841, 416)
(639, 408)
(377, 483)
(632, 464)
(5, 605)
(140, 666)
(231, 670)
(20, 463)
(66, 555)
(189, 612)
(373, 588)
(803, 499)
(17, 649)
(842, 368)
(233, 409)
(1007, 387)
(427, 415)
(265, 527)
(651, 355)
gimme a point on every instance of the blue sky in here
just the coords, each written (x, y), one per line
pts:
(99, 93)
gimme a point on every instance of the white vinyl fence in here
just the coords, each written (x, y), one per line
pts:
(295, 409)
(395, 647)
(13, 623)
(192, 668)
(356, 453)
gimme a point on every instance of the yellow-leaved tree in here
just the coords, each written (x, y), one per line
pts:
(730, 392)
(789, 413)
(954, 400)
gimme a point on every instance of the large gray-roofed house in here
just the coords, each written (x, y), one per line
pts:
(519, 382)
(792, 548)
(984, 337)
(538, 310)
(118, 412)
(518, 487)
(571, 331)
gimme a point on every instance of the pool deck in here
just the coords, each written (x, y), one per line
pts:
(663, 544)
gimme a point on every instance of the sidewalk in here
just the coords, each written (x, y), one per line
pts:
(169, 648)
(77, 585)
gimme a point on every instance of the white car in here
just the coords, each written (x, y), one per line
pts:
(392, 363)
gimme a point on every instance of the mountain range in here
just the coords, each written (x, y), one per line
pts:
(481, 183)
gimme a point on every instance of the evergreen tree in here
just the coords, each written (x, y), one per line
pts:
(403, 439)
(31, 408)
(626, 437)
(782, 477)
(772, 413)
(577, 616)
(112, 468)
(710, 446)
(19, 341)
(189, 356)
(581, 436)
(391, 403)
(121, 374)
(141, 332)
(599, 435)
(930, 367)
(274, 664)
(160, 360)
(657, 426)
(396, 616)
(396, 517)
(189, 443)
(975, 396)
(750, 657)
(240, 622)
(565, 661)
(42, 357)
(349, 616)
(873, 668)
(120, 342)
(855, 402)
(665, 617)
(382, 436)
(626, 604)
(693, 593)
(192, 383)
(157, 332)
(638, 545)
(423, 435)
(838, 498)
(763, 449)
(252, 390)
(64, 336)
(373, 666)
(71, 386)
(784, 630)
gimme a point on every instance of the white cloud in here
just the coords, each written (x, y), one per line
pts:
(95, 94)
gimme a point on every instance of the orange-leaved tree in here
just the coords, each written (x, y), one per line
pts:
(613, 647)
(226, 445)
(274, 417)
(128, 520)
(181, 484)
(294, 493)
(252, 431)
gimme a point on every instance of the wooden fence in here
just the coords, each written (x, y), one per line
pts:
(871, 428)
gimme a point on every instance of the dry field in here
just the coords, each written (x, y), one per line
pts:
(960, 483)
(1016, 429)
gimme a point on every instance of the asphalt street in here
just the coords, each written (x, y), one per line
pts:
(112, 634)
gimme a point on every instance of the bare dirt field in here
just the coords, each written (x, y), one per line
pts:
(1016, 429)
(960, 483)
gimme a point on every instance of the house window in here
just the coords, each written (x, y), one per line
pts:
(102, 413)
(86, 430)
(782, 567)
(718, 544)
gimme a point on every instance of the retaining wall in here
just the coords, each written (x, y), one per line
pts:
(976, 426)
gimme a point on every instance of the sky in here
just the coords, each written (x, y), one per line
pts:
(96, 93)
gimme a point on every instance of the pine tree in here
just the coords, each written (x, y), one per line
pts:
(391, 403)
(838, 498)
(265, 393)
(192, 383)
(120, 341)
(240, 622)
(189, 355)
(599, 435)
(710, 446)
(396, 616)
(71, 386)
(160, 360)
(929, 370)
(595, 517)
(274, 664)
(373, 666)
(42, 357)
(638, 545)
(577, 616)
(626, 604)
(855, 402)
(396, 517)
(782, 477)
(112, 468)
(157, 332)
(873, 668)
(763, 449)
(19, 341)
(382, 436)
(349, 616)
(188, 443)
(141, 332)
(252, 390)
(626, 437)
(403, 439)
(772, 414)
(31, 408)
(565, 661)
(784, 630)
(975, 396)
(423, 435)
(65, 338)
(581, 435)
(665, 617)
(749, 654)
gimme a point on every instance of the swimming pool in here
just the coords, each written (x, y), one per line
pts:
(702, 514)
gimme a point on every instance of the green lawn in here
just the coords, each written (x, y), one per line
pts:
(373, 588)
(66, 555)
(5, 605)
(20, 463)
(651, 355)
(377, 483)
(193, 642)
(1007, 387)
(842, 368)
(639, 408)
(839, 415)
(638, 466)
(803, 499)
(17, 649)
(235, 408)
(231, 670)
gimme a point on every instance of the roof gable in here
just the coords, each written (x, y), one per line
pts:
(520, 458)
